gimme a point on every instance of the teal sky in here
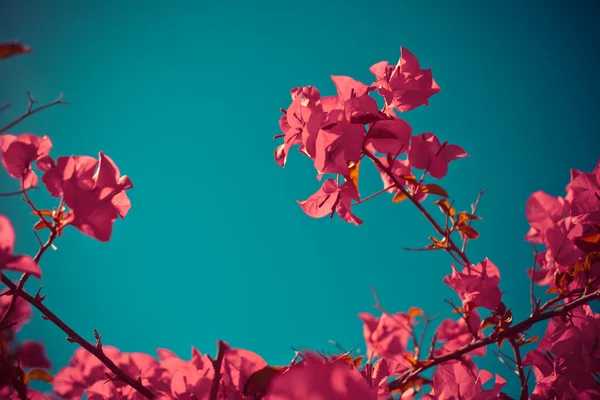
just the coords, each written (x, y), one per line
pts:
(185, 98)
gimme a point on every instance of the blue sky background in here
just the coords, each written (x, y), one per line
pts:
(185, 97)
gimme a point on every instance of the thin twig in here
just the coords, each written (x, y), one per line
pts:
(30, 111)
(8, 194)
(451, 245)
(534, 303)
(469, 222)
(373, 195)
(37, 258)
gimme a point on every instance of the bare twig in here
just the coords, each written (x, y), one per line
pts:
(30, 110)
(18, 192)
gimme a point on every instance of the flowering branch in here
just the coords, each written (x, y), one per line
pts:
(30, 110)
(496, 337)
(36, 259)
(452, 247)
(74, 337)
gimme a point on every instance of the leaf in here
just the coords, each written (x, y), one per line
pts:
(591, 258)
(354, 174)
(411, 360)
(590, 238)
(349, 360)
(434, 188)
(10, 49)
(468, 231)
(439, 244)
(258, 382)
(37, 374)
(489, 321)
(464, 217)
(530, 340)
(410, 178)
(42, 224)
(47, 213)
(399, 197)
(445, 207)
(415, 312)
(458, 310)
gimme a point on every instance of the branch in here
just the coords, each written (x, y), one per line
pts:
(76, 338)
(469, 222)
(520, 369)
(214, 389)
(37, 258)
(19, 288)
(30, 111)
(8, 194)
(496, 337)
(451, 245)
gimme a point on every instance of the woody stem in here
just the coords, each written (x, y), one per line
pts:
(452, 247)
(76, 338)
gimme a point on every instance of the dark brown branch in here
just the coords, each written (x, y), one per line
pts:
(214, 389)
(496, 337)
(520, 369)
(76, 338)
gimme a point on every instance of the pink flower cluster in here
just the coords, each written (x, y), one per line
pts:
(569, 229)
(93, 190)
(337, 132)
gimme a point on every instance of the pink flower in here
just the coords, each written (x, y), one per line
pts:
(405, 86)
(21, 313)
(479, 288)
(427, 153)
(390, 136)
(300, 123)
(559, 240)
(455, 334)
(460, 380)
(331, 197)
(337, 146)
(19, 152)
(386, 336)
(32, 354)
(94, 190)
(543, 212)
(353, 98)
(585, 188)
(317, 379)
(10, 261)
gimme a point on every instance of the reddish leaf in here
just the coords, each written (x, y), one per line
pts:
(12, 49)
